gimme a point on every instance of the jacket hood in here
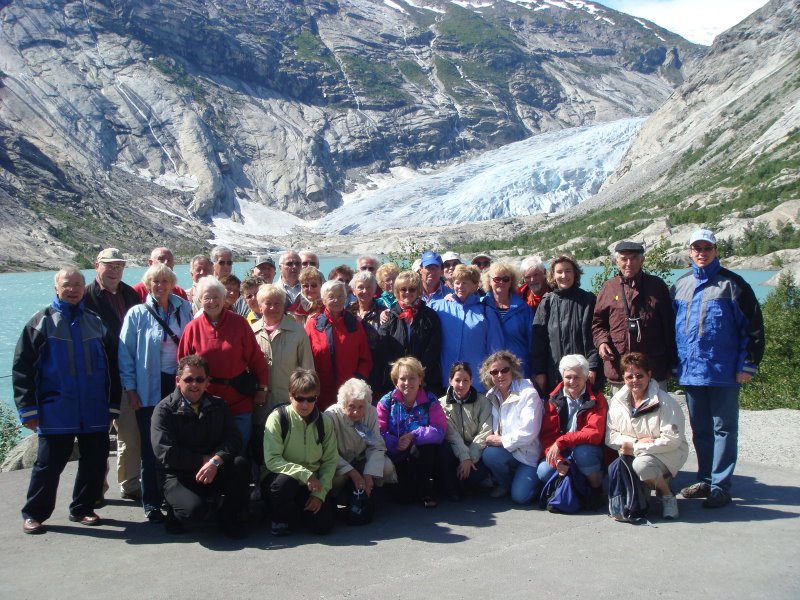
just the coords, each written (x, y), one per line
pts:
(517, 386)
(703, 274)
(651, 401)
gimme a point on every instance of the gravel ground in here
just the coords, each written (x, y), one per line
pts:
(768, 437)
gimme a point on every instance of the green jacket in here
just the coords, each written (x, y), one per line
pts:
(300, 456)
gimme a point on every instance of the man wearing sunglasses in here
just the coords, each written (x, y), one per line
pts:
(222, 258)
(290, 264)
(719, 333)
(198, 445)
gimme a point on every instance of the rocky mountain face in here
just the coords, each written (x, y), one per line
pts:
(132, 122)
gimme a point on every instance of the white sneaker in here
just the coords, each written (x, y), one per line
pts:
(669, 507)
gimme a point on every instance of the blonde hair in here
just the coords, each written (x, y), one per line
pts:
(410, 363)
(470, 272)
(407, 278)
(498, 269)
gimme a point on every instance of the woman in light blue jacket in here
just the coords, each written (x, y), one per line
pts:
(149, 345)
(471, 331)
(516, 317)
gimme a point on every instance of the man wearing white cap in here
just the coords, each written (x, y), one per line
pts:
(111, 298)
(719, 333)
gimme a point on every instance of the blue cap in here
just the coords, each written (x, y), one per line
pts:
(429, 257)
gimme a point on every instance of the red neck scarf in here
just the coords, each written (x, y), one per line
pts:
(407, 313)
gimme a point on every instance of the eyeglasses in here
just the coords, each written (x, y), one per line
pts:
(481, 263)
(292, 263)
(305, 399)
(309, 285)
(504, 279)
(225, 262)
(366, 268)
(408, 290)
(496, 372)
(698, 249)
(306, 263)
(114, 266)
(249, 296)
(191, 380)
(634, 376)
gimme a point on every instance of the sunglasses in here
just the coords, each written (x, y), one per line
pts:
(305, 399)
(307, 263)
(293, 263)
(702, 248)
(481, 263)
(504, 279)
(496, 372)
(451, 264)
(407, 290)
(191, 380)
(309, 285)
(367, 268)
(225, 262)
(634, 376)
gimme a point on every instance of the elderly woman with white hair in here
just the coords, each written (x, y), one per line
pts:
(574, 428)
(366, 309)
(534, 276)
(148, 345)
(339, 343)
(363, 462)
(237, 367)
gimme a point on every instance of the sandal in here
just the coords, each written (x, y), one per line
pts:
(429, 502)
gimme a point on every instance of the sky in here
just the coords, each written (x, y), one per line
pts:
(698, 21)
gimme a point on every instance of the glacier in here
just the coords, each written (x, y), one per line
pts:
(546, 173)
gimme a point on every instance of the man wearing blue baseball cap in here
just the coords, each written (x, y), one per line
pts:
(433, 288)
(719, 332)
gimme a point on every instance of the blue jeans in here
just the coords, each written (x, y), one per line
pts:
(244, 423)
(587, 457)
(508, 472)
(714, 415)
(151, 491)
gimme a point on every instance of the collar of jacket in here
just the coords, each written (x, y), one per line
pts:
(636, 280)
(703, 274)
(472, 396)
(422, 397)
(71, 311)
(570, 291)
(517, 385)
(650, 404)
(185, 407)
(559, 400)
(324, 321)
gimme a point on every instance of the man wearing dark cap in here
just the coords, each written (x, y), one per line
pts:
(433, 288)
(633, 313)
(264, 268)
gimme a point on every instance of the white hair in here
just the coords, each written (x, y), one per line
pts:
(532, 263)
(218, 251)
(68, 270)
(354, 389)
(209, 282)
(333, 285)
(364, 277)
(574, 362)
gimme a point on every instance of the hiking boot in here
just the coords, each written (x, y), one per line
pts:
(597, 498)
(717, 499)
(698, 490)
(279, 529)
(499, 492)
(669, 507)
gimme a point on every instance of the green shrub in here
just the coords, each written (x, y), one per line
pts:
(774, 385)
(9, 431)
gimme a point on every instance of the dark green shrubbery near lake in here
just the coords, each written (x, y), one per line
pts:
(9, 431)
(774, 386)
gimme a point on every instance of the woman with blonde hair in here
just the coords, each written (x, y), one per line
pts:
(412, 424)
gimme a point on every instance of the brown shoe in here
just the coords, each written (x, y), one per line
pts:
(33, 527)
(89, 520)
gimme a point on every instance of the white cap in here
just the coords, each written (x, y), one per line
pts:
(703, 235)
(448, 256)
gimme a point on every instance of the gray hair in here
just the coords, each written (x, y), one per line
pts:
(333, 285)
(68, 270)
(364, 277)
(534, 263)
(370, 258)
(154, 271)
(218, 251)
(282, 256)
(354, 389)
(209, 282)
(574, 362)
(197, 258)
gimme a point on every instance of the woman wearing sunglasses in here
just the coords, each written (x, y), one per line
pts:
(412, 329)
(515, 316)
(300, 457)
(512, 448)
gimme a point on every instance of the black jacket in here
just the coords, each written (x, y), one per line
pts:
(425, 343)
(182, 438)
(93, 298)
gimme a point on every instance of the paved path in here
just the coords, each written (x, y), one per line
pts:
(479, 548)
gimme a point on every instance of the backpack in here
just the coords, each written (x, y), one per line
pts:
(565, 493)
(628, 497)
(283, 418)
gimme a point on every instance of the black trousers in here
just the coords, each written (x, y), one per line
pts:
(446, 465)
(415, 473)
(54, 453)
(287, 497)
(187, 497)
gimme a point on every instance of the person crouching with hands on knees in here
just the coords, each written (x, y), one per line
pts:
(574, 426)
(300, 456)
(197, 443)
(646, 422)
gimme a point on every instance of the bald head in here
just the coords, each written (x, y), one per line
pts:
(163, 256)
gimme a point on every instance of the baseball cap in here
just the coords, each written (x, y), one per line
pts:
(448, 256)
(110, 255)
(262, 259)
(629, 247)
(703, 235)
(429, 257)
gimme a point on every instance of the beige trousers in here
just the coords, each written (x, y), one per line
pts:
(129, 457)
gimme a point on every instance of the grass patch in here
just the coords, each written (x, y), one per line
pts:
(413, 72)
(309, 47)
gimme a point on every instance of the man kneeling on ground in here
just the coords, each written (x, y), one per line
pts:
(198, 445)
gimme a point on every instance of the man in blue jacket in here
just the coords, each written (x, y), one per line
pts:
(64, 388)
(719, 333)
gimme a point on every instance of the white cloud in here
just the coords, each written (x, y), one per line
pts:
(698, 21)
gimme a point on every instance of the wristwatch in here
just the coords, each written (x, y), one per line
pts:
(262, 388)
(215, 462)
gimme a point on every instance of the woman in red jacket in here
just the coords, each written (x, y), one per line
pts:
(574, 427)
(338, 344)
(226, 341)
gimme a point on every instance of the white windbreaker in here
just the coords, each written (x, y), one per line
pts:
(519, 420)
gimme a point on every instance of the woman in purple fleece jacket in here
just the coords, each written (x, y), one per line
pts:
(413, 424)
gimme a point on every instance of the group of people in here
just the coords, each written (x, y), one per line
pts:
(311, 392)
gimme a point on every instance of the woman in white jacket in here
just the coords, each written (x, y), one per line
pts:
(512, 449)
(646, 422)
